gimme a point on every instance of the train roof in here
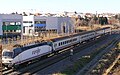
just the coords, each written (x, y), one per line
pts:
(102, 28)
(65, 37)
(34, 45)
(81, 33)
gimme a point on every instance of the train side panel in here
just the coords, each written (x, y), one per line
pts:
(31, 54)
(87, 36)
(60, 44)
(99, 32)
(107, 31)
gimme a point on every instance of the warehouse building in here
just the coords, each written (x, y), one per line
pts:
(11, 25)
(39, 24)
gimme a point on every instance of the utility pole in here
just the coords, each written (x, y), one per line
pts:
(0, 59)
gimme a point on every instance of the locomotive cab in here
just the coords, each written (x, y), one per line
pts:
(7, 58)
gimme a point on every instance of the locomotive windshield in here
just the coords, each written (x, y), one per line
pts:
(8, 54)
(16, 51)
(50, 43)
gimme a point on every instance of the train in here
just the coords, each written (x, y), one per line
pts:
(24, 54)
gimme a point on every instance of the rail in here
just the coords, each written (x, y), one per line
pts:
(109, 69)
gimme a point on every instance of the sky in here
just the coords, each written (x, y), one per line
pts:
(54, 6)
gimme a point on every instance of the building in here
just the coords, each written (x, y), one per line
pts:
(39, 24)
(11, 25)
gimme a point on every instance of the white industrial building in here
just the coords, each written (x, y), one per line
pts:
(11, 25)
(38, 24)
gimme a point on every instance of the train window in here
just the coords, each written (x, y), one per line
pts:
(8, 54)
(63, 42)
(55, 45)
(59, 44)
(32, 46)
(75, 39)
(67, 41)
(72, 40)
(16, 51)
(82, 37)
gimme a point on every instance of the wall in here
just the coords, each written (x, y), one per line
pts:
(11, 17)
(51, 23)
(66, 22)
(57, 23)
(1, 28)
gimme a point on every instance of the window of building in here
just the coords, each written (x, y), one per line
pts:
(40, 22)
(23, 29)
(27, 21)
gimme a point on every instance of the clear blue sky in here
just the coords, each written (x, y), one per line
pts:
(61, 5)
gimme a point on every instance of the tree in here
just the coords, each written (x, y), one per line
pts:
(119, 17)
(86, 20)
(24, 14)
(101, 20)
(106, 20)
(95, 18)
(75, 12)
(16, 13)
(13, 13)
(116, 16)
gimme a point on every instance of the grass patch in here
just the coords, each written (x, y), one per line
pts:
(71, 70)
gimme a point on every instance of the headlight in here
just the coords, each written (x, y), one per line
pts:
(2, 61)
(10, 61)
(6, 61)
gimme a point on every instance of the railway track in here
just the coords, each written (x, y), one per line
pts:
(37, 66)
